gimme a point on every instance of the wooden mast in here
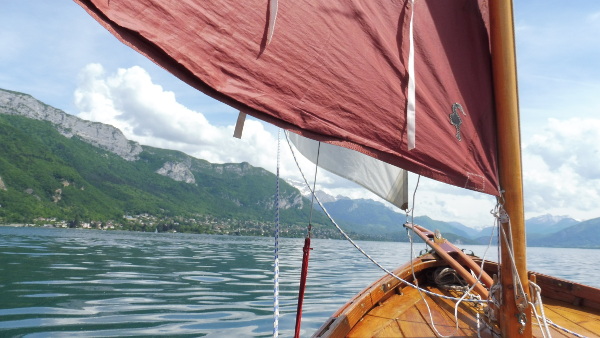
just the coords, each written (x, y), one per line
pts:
(509, 157)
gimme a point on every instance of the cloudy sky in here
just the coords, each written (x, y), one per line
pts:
(54, 51)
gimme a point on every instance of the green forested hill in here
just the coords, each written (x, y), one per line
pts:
(37, 179)
(55, 167)
(45, 174)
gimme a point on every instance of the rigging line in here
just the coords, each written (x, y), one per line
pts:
(521, 298)
(565, 329)
(276, 251)
(500, 200)
(359, 248)
(412, 218)
(496, 213)
(312, 200)
(478, 326)
(516, 277)
(412, 209)
(478, 279)
(467, 292)
(535, 289)
(412, 266)
(539, 323)
(306, 252)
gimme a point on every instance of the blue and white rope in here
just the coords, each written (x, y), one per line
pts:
(565, 329)
(276, 264)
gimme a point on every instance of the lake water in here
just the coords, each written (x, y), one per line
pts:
(87, 283)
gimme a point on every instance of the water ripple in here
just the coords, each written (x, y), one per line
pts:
(57, 283)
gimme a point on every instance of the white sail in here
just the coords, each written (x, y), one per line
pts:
(385, 180)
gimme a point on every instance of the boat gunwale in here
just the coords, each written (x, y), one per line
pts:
(344, 319)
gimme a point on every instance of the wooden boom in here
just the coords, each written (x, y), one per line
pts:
(445, 250)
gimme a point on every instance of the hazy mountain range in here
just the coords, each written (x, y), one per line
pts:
(55, 165)
(547, 230)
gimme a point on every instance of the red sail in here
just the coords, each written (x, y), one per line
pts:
(336, 71)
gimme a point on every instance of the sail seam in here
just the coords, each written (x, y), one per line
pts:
(273, 9)
(411, 99)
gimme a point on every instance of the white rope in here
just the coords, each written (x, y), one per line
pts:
(412, 268)
(542, 318)
(312, 200)
(361, 250)
(412, 253)
(538, 302)
(478, 326)
(516, 277)
(538, 318)
(276, 263)
(466, 293)
(478, 280)
(565, 329)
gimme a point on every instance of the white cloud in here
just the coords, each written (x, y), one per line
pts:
(449, 203)
(146, 113)
(150, 115)
(562, 168)
(130, 101)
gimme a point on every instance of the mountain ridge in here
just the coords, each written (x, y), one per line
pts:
(76, 172)
(99, 134)
(54, 164)
(545, 230)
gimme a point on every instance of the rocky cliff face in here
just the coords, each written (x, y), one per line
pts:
(98, 134)
(177, 171)
(180, 167)
(240, 169)
(294, 201)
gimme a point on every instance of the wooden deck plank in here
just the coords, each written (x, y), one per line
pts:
(467, 312)
(360, 307)
(384, 316)
(593, 325)
(370, 325)
(567, 316)
(392, 330)
(441, 321)
(413, 324)
(397, 304)
(582, 313)
(391, 314)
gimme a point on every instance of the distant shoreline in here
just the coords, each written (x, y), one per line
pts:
(20, 225)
